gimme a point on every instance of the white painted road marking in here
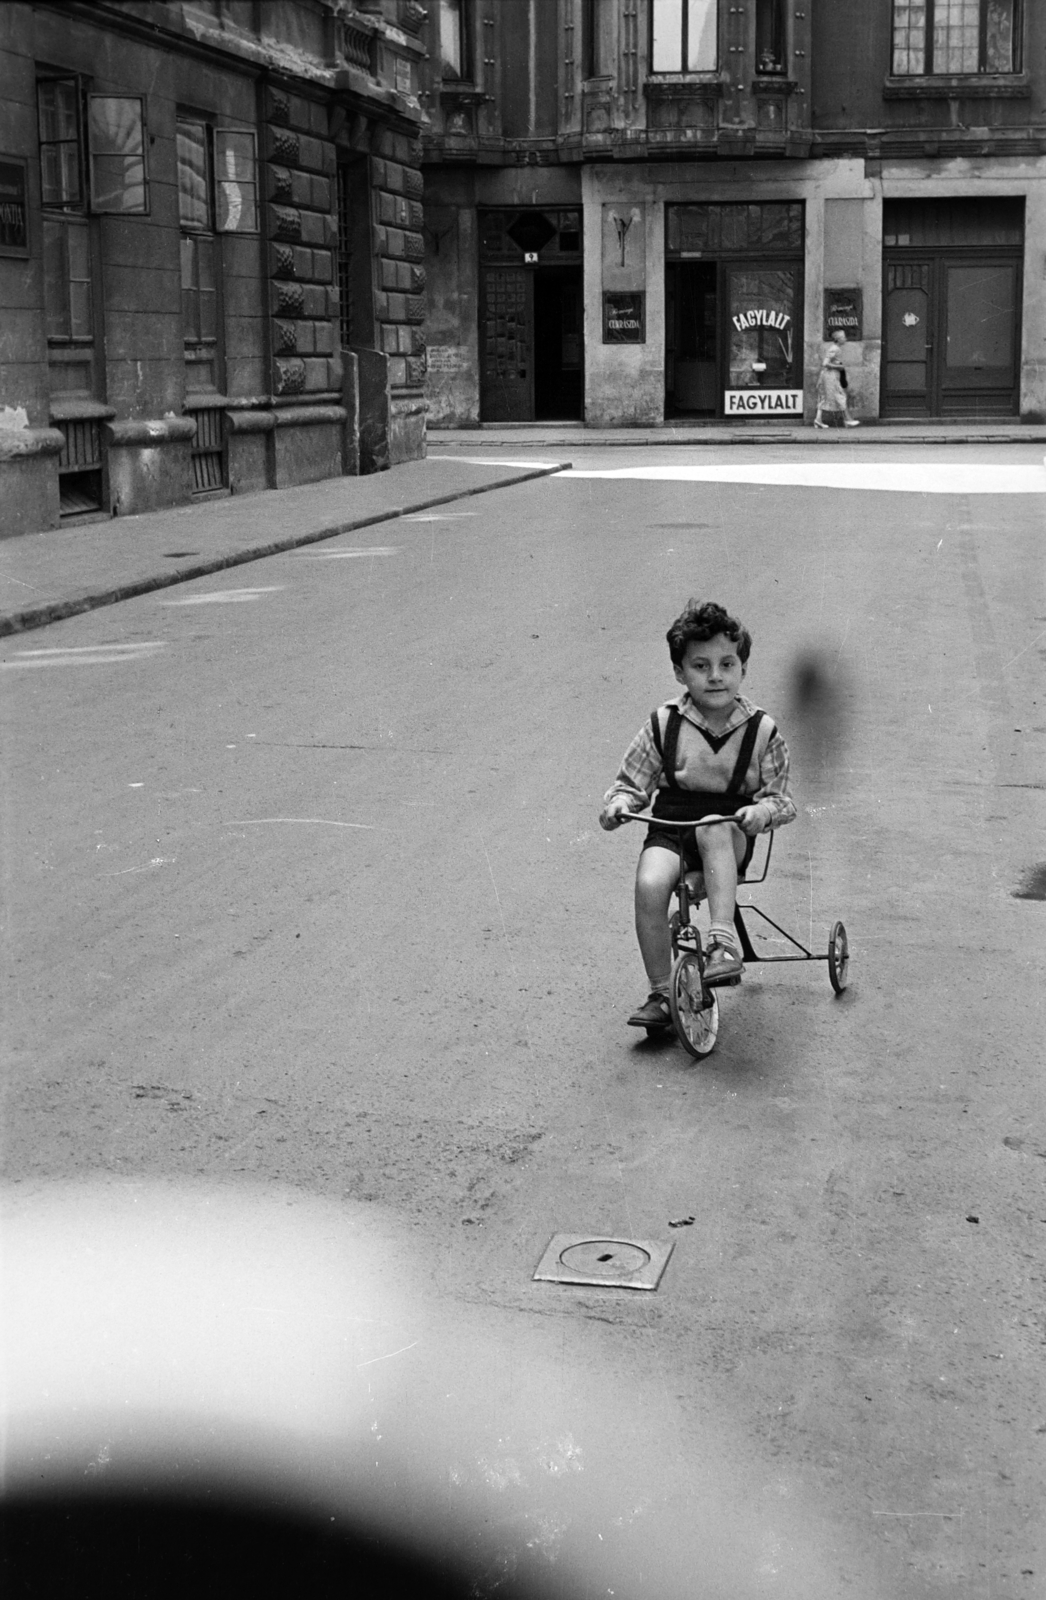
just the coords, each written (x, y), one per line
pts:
(84, 655)
(326, 822)
(223, 597)
(345, 555)
(486, 461)
(908, 477)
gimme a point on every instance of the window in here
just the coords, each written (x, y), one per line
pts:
(199, 292)
(596, 23)
(955, 36)
(61, 143)
(453, 39)
(67, 280)
(116, 146)
(684, 36)
(217, 179)
(194, 205)
(236, 181)
(770, 54)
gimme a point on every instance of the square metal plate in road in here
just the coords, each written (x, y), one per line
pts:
(608, 1263)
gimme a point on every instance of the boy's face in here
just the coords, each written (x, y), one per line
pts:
(712, 672)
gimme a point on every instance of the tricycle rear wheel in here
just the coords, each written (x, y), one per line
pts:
(838, 958)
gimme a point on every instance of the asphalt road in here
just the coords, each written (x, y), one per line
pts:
(304, 886)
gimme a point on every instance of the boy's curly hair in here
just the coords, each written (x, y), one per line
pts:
(702, 620)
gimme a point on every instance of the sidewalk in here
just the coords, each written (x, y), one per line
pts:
(47, 576)
(575, 435)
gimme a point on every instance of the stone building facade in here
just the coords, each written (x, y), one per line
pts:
(655, 211)
(211, 252)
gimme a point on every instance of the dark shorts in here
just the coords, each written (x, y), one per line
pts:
(676, 839)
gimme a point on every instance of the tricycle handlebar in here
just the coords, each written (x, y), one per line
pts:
(668, 822)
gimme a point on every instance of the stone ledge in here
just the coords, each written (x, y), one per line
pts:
(76, 410)
(152, 431)
(309, 416)
(19, 443)
(250, 421)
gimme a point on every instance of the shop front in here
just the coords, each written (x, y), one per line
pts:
(734, 310)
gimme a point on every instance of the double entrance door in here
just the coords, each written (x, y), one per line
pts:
(531, 344)
(951, 334)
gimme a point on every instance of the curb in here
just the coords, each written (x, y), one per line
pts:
(59, 610)
(715, 441)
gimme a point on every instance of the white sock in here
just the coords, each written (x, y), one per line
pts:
(726, 935)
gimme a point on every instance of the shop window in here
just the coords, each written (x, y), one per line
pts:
(933, 37)
(684, 36)
(770, 50)
(67, 280)
(116, 154)
(455, 56)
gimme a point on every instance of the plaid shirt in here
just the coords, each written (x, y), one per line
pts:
(642, 771)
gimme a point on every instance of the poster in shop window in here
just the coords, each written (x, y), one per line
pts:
(14, 214)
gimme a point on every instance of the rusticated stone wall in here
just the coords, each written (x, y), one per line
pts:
(400, 301)
(302, 231)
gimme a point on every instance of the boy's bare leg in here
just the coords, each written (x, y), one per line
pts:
(721, 849)
(656, 876)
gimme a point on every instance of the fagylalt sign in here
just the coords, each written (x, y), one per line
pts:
(763, 402)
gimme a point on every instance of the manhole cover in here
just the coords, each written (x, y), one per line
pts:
(614, 1263)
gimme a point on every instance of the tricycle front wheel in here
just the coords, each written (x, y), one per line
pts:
(695, 1009)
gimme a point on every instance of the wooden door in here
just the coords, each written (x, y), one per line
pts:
(978, 344)
(909, 315)
(507, 345)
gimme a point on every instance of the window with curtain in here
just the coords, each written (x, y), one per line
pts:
(684, 36)
(936, 37)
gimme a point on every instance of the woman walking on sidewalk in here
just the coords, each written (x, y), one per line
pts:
(831, 387)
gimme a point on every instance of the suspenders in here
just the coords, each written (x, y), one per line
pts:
(667, 750)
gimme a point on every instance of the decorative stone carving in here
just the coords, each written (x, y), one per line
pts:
(413, 247)
(290, 300)
(415, 307)
(282, 184)
(282, 261)
(285, 146)
(285, 222)
(417, 279)
(279, 106)
(284, 335)
(413, 184)
(416, 370)
(290, 376)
